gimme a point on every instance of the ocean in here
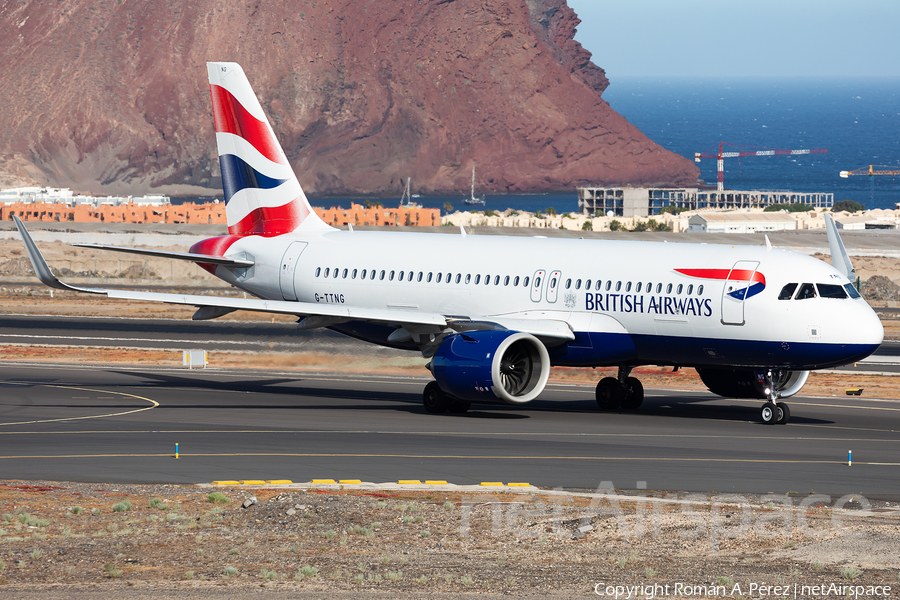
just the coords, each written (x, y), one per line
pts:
(856, 120)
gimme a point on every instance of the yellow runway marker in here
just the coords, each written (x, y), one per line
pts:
(66, 387)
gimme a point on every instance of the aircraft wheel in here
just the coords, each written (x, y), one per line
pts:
(459, 407)
(434, 399)
(609, 393)
(784, 413)
(769, 413)
(634, 394)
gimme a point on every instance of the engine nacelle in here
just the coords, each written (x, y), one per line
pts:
(752, 383)
(492, 365)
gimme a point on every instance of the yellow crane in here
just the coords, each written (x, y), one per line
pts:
(872, 171)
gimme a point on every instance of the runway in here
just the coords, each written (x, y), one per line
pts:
(114, 424)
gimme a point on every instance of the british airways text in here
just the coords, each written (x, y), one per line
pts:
(660, 305)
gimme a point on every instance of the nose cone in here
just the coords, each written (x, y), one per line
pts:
(865, 331)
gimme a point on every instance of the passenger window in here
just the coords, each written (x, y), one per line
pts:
(477, 279)
(516, 281)
(506, 280)
(487, 280)
(618, 285)
(608, 285)
(353, 275)
(537, 282)
(429, 277)
(658, 288)
(399, 275)
(851, 290)
(362, 274)
(449, 277)
(587, 284)
(807, 290)
(787, 291)
(439, 277)
(458, 277)
(637, 289)
(318, 271)
(699, 290)
(568, 283)
(419, 278)
(525, 282)
(391, 277)
(628, 287)
(468, 278)
(327, 271)
(669, 289)
(649, 288)
(382, 275)
(344, 274)
(578, 284)
(410, 276)
(829, 290)
(690, 289)
(552, 283)
(678, 290)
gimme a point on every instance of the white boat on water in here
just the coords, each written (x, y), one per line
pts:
(406, 198)
(474, 200)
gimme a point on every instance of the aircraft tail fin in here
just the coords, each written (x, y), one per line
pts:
(262, 194)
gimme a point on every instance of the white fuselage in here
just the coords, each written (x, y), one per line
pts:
(628, 302)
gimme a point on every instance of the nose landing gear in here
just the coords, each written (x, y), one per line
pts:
(773, 412)
(624, 391)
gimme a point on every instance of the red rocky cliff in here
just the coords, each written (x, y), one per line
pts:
(113, 97)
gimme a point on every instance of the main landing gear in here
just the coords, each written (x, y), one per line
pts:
(773, 412)
(624, 391)
(437, 401)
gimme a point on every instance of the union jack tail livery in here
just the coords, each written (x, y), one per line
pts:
(262, 194)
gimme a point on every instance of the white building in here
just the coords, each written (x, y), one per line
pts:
(741, 222)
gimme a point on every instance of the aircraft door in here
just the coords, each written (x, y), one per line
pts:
(735, 291)
(553, 283)
(289, 268)
(537, 285)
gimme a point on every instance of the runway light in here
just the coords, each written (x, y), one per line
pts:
(849, 458)
(176, 451)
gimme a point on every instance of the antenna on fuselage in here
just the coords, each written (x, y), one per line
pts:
(462, 230)
(839, 258)
(768, 243)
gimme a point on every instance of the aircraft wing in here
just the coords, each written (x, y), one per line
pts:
(197, 258)
(317, 315)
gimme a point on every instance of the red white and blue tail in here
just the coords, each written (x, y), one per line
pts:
(262, 194)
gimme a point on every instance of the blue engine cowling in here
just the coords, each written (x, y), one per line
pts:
(492, 365)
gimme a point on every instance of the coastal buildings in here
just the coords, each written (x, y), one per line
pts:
(644, 202)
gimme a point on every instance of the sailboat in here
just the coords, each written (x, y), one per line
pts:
(474, 200)
(406, 198)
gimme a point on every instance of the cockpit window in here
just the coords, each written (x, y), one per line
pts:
(807, 290)
(787, 291)
(851, 290)
(829, 290)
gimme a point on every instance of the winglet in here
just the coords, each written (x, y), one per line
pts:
(41, 268)
(839, 258)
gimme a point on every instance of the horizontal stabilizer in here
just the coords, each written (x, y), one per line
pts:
(197, 258)
(41, 268)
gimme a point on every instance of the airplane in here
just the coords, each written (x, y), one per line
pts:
(493, 314)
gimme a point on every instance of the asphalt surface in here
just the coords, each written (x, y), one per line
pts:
(115, 424)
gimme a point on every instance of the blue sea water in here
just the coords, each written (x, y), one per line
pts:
(856, 120)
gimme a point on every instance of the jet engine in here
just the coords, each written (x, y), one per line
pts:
(488, 366)
(752, 383)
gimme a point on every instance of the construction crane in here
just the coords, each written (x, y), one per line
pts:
(721, 155)
(872, 171)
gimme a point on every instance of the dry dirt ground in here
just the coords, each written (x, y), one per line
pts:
(67, 540)
(104, 540)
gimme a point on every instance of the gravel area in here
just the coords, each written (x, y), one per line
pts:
(183, 542)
